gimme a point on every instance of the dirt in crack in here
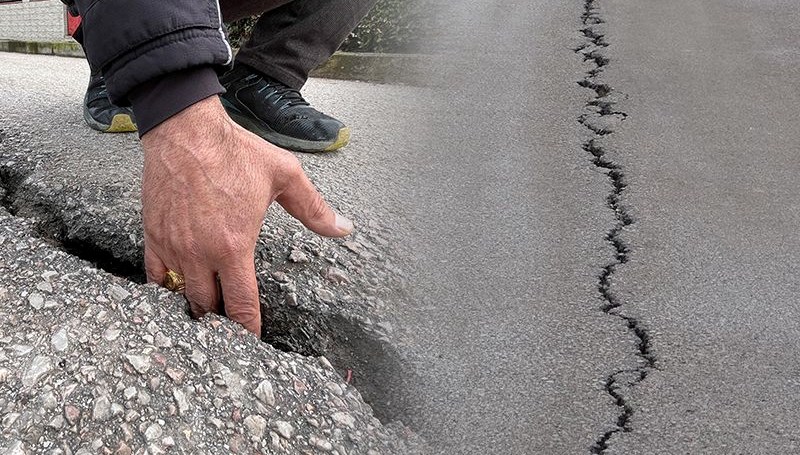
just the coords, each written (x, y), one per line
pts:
(618, 383)
(375, 366)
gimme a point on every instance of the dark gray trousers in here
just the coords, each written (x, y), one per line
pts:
(292, 37)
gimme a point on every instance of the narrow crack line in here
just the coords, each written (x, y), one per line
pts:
(619, 383)
(605, 108)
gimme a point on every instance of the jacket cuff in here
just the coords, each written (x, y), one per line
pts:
(157, 100)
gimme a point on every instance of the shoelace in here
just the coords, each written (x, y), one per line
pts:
(281, 93)
(101, 95)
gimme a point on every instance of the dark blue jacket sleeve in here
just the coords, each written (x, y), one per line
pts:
(136, 44)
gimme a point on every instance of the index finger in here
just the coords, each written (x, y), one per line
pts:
(240, 293)
(302, 200)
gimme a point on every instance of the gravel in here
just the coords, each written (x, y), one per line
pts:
(111, 366)
(71, 260)
(320, 297)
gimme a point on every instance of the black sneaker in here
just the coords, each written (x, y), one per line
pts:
(279, 113)
(103, 116)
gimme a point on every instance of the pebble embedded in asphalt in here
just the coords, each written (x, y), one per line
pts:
(117, 367)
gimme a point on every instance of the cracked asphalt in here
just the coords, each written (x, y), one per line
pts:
(710, 154)
(583, 229)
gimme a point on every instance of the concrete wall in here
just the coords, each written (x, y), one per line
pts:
(38, 20)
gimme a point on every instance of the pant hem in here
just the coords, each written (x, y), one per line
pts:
(278, 73)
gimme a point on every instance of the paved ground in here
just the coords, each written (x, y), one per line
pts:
(710, 150)
(509, 217)
(91, 363)
(552, 267)
(109, 362)
(693, 118)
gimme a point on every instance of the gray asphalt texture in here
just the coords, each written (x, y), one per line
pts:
(91, 363)
(605, 268)
(509, 218)
(710, 155)
(691, 122)
(320, 297)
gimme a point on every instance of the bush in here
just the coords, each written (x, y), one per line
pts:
(239, 31)
(391, 26)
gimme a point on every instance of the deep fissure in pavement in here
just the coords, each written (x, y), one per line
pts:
(52, 228)
(346, 343)
(599, 118)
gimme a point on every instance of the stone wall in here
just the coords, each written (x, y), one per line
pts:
(37, 20)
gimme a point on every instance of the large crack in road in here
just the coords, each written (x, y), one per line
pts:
(494, 215)
(355, 343)
(54, 229)
(600, 118)
(80, 337)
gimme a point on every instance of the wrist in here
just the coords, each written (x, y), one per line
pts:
(199, 130)
(157, 100)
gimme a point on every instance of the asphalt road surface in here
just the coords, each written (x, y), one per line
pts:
(689, 173)
(710, 149)
(509, 218)
(603, 267)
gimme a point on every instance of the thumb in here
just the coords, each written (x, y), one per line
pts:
(304, 202)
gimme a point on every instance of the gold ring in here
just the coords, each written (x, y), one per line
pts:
(174, 281)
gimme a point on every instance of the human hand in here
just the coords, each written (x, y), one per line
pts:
(206, 187)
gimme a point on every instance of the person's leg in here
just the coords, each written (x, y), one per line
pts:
(233, 10)
(289, 41)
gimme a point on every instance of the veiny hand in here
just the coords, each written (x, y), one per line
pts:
(206, 187)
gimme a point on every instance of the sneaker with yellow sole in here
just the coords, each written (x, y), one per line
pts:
(101, 114)
(279, 113)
